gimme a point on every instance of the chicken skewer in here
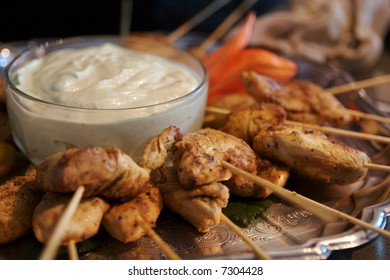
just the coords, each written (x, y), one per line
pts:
(202, 208)
(303, 100)
(129, 184)
(107, 172)
(322, 211)
(192, 187)
(51, 248)
(325, 129)
(263, 128)
(132, 219)
(278, 121)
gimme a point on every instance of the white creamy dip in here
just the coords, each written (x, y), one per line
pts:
(106, 77)
(110, 77)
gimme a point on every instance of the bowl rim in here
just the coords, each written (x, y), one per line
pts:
(73, 41)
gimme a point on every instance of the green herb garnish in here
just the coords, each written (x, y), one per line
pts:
(243, 212)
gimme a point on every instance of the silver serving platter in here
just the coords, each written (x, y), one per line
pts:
(284, 232)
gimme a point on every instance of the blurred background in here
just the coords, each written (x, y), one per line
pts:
(351, 34)
(25, 20)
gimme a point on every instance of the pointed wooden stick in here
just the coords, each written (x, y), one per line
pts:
(157, 239)
(363, 115)
(72, 250)
(54, 242)
(257, 250)
(217, 110)
(225, 26)
(198, 18)
(341, 132)
(318, 209)
(378, 167)
(359, 84)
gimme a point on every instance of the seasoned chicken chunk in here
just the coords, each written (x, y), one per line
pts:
(120, 221)
(106, 171)
(197, 158)
(312, 154)
(277, 174)
(18, 199)
(303, 100)
(155, 154)
(201, 206)
(246, 123)
(84, 224)
(231, 102)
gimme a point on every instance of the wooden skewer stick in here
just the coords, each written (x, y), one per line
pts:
(217, 110)
(224, 26)
(341, 132)
(51, 248)
(329, 130)
(377, 167)
(318, 209)
(195, 20)
(359, 84)
(72, 250)
(363, 115)
(157, 239)
(259, 253)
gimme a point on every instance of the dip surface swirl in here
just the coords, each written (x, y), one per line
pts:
(105, 77)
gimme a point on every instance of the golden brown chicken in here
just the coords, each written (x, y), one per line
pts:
(197, 158)
(155, 154)
(303, 100)
(246, 123)
(18, 199)
(312, 154)
(275, 173)
(84, 224)
(231, 102)
(201, 206)
(105, 171)
(120, 221)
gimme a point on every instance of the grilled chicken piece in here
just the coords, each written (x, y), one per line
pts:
(155, 154)
(131, 179)
(303, 100)
(200, 206)
(18, 199)
(246, 123)
(231, 102)
(197, 158)
(105, 171)
(84, 224)
(275, 173)
(120, 220)
(312, 154)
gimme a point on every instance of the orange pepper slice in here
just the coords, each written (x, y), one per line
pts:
(216, 60)
(254, 59)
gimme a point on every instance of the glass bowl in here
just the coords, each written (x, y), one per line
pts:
(41, 127)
